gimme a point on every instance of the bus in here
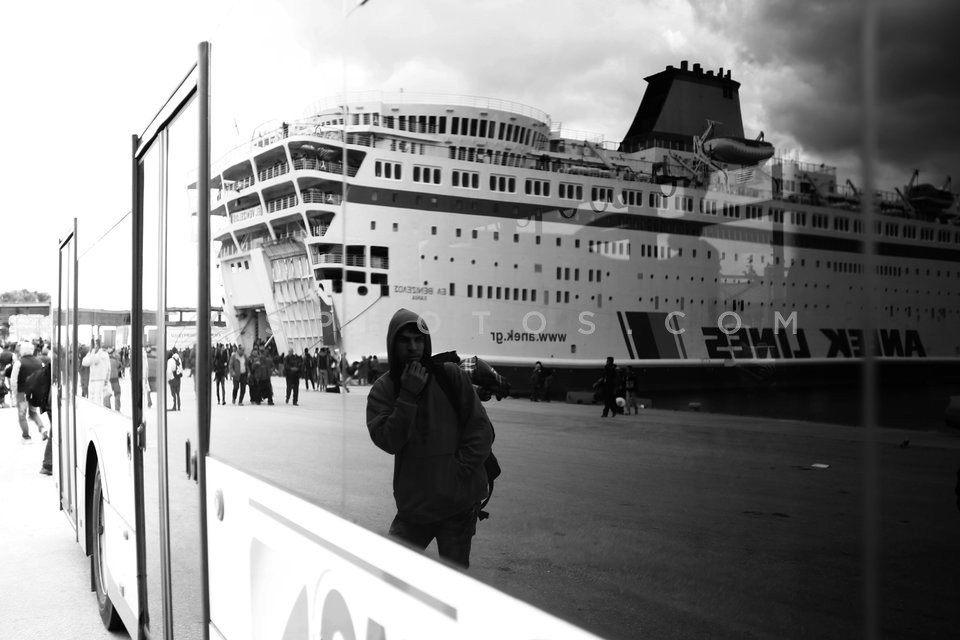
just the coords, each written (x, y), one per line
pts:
(207, 516)
(204, 525)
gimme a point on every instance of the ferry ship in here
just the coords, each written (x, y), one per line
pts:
(686, 245)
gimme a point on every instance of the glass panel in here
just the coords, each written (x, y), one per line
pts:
(104, 322)
(732, 481)
(65, 378)
(179, 230)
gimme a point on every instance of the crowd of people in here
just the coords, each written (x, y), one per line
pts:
(18, 364)
(250, 373)
(617, 388)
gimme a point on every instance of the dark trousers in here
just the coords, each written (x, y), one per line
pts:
(454, 535)
(239, 384)
(293, 386)
(221, 385)
(48, 450)
(175, 393)
(610, 403)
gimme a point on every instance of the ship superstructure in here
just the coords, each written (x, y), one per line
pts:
(686, 243)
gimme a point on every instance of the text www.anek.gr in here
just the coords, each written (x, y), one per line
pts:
(526, 336)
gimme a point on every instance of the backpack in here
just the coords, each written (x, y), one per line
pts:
(490, 463)
(38, 388)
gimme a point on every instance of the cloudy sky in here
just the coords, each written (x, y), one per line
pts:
(79, 78)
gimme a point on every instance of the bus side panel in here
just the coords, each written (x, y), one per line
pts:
(101, 438)
(280, 566)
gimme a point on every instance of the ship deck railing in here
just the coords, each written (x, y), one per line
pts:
(300, 234)
(312, 164)
(337, 258)
(274, 171)
(317, 196)
(282, 203)
(417, 98)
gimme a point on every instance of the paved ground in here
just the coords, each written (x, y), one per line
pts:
(664, 525)
(45, 578)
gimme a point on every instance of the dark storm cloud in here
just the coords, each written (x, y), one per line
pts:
(818, 43)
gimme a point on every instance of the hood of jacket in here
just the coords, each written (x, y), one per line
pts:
(400, 319)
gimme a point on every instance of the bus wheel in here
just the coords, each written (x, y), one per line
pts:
(111, 620)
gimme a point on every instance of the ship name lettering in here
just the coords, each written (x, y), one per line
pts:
(755, 342)
(421, 291)
(849, 343)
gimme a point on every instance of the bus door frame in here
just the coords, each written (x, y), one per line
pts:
(65, 401)
(196, 84)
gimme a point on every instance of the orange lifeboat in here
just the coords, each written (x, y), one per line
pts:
(737, 150)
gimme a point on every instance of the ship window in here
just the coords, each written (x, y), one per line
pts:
(458, 233)
(538, 239)
(516, 237)
(474, 233)
(433, 231)
(452, 291)
(455, 125)
(396, 227)
(496, 235)
(373, 225)
(490, 291)
(469, 290)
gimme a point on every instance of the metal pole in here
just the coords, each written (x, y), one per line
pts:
(202, 368)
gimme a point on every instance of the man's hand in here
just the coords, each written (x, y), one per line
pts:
(414, 378)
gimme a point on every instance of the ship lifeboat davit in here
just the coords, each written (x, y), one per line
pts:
(737, 150)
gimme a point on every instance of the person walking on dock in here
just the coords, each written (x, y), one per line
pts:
(238, 373)
(608, 388)
(21, 370)
(292, 364)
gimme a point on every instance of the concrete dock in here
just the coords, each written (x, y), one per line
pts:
(666, 524)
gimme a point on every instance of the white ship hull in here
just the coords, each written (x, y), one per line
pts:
(560, 251)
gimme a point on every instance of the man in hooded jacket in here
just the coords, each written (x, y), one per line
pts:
(439, 479)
